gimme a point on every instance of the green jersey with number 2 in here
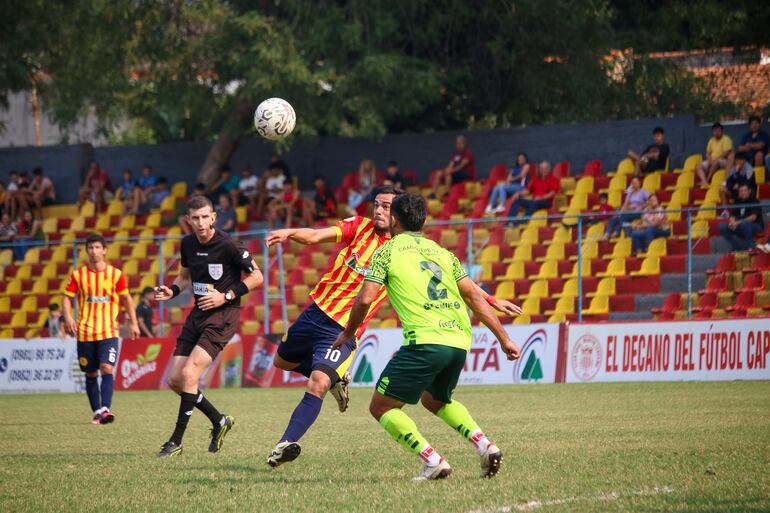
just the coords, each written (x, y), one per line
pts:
(421, 279)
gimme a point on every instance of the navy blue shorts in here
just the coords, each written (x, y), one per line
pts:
(93, 354)
(313, 334)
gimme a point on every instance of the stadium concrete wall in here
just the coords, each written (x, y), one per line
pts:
(335, 156)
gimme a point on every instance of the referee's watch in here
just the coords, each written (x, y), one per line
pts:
(229, 296)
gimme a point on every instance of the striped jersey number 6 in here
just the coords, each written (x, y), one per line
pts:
(434, 293)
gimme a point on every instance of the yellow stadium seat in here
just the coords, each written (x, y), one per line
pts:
(139, 250)
(621, 249)
(449, 238)
(176, 314)
(319, 259)
(6, 333)
(615, 199)
(538, 289)
(127, 222)
(374, 323)
(88, 210)
(514, 271)
(19, 319)
(565, 305)
(549, 269)
(595, 232)
(179, 190)
(686, 180)
(489, 254)
(309, 277)
(174, 230)
(5, 304)
(24, 272)
(29, 304)
(32, 256)
(505, 290)
(692, 162)
(618, 183)
(240, 214)
(652, 182)
(529, 236)
(103, 223)
(656, 248)
(130, 267)
(40, 287)
(717, 178)
(698, 230)
(115, 208)
(681, 196)
(606, 287)
(586, 269)
(558, 317)
(706, 212)
(168, 204)
(250, 327)
(616, 267)
(585, 185)
(554, 252)
(578, 202)
(650, 266)
(50, 271)
(570, 289)
(6, 257)
(389, 323)
(538, 219)
(531, 306)
(599, 305)
(760, 174)
(61, 254)
(277, 326)
(154, 220)
(712, 196)
(434, 206)
(626, 167)
(480, 235)
(113, 251)
(32, 333)
(171, 248)
(148, 280)
(590, 250)
(300, 294)
(523, 253)
(50, 225)
(522, 319)
(562, 235)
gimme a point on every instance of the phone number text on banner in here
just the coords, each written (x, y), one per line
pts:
(38, 365)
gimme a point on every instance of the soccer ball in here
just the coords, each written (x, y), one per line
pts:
(274, 119)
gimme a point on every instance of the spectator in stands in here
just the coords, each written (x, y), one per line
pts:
(542, 188)
(145, 200)
(322, 205)
(227, 220)
(367, 181)
(741, 173)
(145, 313)
(284, 206)
(97, 187)
(271, 186)
(126, 186)
(10, 197)
(745, 221)
(636, 199)
(52, 327)
(601, 213)
(42, 189)
(719, 155)
(516, 181)
(29, 233)
(654, 156)
(653, 225)
(7, 228)
(277, 161)
(461, 168)
(393, 176)
(3, 196)
(248, 188)
(755, 142)
(225, 184)
(184, 223)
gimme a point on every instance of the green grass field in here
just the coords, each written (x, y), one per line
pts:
(601, 447)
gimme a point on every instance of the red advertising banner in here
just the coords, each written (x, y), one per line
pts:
(143, 363)
(258, 368)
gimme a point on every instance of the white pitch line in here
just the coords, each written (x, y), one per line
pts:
(612, 496)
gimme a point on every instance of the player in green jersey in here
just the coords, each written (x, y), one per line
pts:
(429, 290)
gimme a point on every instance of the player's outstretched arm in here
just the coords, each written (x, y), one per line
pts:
(472, 296)
(128, 304)
(182, 281)
(501, 305)
(365, 298)
(302, 235)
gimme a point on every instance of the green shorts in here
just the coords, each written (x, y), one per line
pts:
(423, 367)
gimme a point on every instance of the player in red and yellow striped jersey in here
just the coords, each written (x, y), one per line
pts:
(99, 288)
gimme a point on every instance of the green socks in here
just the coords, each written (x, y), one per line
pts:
(457, 417)
(404, 431)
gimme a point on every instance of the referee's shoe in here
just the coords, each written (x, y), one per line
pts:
(219, 431)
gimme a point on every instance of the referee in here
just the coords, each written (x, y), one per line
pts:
(212, 264)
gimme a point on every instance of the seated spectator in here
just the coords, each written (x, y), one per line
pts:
(11, 205)
(225, 184)
(367, 181)
(7, 228)
(755, 143)
(653, 225)
(741, 173)
(322, 205)
(461, 168)
(744, 223)
(97, 187)
(270, 187)
(636, 199)
(23, 195)
(393, 176)
(3, 196)
(227, 220)
(542, 188)
(516, 181)
(149, 199)
(277, 161)
(719, 155)
(654, 156)
(600, 213)
(184, 222)
(248, 188)
(145, 313)
(42, 189)
(29, 233)
(126, 186)
(52, 327)
(284, 206)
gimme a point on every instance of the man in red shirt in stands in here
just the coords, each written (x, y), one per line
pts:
(461, 167)
(542, 188)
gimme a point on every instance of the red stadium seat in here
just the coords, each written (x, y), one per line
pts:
(593, 168)
(725, 264)
(561, 169)
(744, 301)
(754, 282)
(717, 283)
(672, 303)
(708, 302)
(498, 173)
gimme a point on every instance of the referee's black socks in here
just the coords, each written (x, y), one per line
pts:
(186, 407)
(208, 409)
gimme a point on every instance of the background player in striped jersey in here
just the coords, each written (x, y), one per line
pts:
(306, 349)
(100, 288)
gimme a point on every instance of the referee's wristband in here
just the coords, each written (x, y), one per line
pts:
(240, 290)
(175, 290)
(490, 300)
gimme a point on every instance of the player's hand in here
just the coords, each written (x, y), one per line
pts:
(163, 293)
(343, 339)
(135, 333)
(213, 299)
(510, 349)
(69, 326)
(276, 237)
(506, 307)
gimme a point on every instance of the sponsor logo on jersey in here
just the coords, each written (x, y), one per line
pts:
(198, 253)
(216, 271)
(245, 255)
(202, 289)
(97, 299)
(352, 262)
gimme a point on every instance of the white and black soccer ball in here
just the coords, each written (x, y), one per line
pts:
(274, 119)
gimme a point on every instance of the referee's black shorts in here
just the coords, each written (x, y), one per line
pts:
(209, 330)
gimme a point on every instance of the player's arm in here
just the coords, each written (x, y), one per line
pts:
(182, 281)
(69, 322)
(501, 305)
(484, 313)
(364, 300)
(305, 236)
(128, 304)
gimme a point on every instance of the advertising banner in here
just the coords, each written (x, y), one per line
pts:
(708, 350)
(142, 363)
(258, 369)
(39, 365)
(485, 364)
